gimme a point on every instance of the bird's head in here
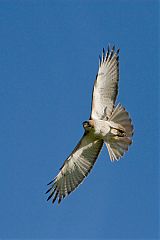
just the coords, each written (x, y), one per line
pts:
(88, 125)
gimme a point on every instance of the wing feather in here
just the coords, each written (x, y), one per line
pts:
(76, 167)
(105, 88)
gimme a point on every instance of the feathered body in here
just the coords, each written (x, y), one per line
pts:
(116, 132)
(107, 124)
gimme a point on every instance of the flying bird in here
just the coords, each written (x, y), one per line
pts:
(108, 125)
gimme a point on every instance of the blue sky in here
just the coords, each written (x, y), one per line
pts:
(48, 63)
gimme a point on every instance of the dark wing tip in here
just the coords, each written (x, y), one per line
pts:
(109, 53)
(118, 50)
(48, 190)
(100, 60)
(52, 189)
(55, 197)
(49, 196)
(103, 55)
(50, 182)
(59, 199)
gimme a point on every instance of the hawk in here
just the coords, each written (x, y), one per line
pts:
(108, 124)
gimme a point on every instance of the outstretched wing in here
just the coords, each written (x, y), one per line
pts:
(106, 85)
(76, 167)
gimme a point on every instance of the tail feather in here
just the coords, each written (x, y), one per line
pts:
(121, 117)
(117, 145)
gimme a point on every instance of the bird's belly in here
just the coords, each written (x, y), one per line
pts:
(102, 128)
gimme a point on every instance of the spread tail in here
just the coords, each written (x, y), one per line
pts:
(121, 133)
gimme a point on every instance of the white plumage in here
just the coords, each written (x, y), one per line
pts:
(107, 124)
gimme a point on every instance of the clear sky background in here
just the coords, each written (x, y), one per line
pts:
(48, 63)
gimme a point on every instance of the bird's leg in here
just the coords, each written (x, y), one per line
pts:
(118, 132)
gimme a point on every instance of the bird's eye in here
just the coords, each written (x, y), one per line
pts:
(86, 124)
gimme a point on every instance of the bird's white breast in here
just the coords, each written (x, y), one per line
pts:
(102, 128)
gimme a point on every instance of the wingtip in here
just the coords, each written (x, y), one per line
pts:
(118, 50)
(103, 54)
(50, 182)
(100, 60)
(59, 200)
(49, 197)
(55, 197)
(109, 52)
(53, 180)
(48, 190)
